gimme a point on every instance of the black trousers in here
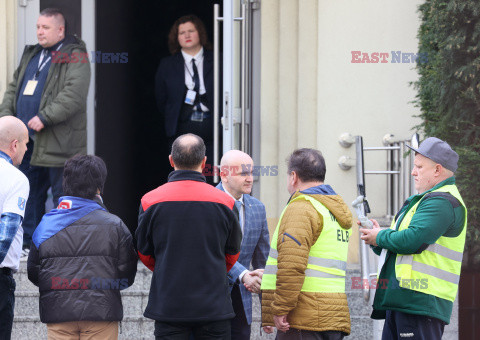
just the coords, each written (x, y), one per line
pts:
(7, 303)
(240, 328)
(200, 330)
(40, 179)
(400, 325)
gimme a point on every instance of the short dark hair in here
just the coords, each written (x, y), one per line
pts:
(54, 12)
(188, 156)
(83, 175)
(308, 164)
(173, 44)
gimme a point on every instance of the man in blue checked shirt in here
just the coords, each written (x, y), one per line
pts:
(236, 172)
(14, 189)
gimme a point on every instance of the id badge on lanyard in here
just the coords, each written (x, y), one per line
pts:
(30, 88)
(32, 84)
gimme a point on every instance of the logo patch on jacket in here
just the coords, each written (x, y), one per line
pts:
(21, 203)
(65, 204)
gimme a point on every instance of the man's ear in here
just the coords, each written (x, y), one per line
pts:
(293, 179)
(13, 146)
(171, 161)
(204, 162)
(61, 28)
(223, 177)
(438, 170)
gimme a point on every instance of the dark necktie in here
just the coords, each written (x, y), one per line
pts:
(196, 78)
(239, 204)
(196, 85)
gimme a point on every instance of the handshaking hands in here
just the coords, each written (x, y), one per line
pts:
(252, 280)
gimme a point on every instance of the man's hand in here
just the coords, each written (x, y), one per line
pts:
(281, 322)
(252, 280)
(268, 329)
(35, 124)
(370, 235)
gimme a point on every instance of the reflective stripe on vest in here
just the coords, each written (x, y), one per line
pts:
(327, 260)
(439, 265)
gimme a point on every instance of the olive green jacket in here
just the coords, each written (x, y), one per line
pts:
(62, 107)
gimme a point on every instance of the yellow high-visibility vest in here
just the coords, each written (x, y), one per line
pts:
(327, 260)
(436, 270)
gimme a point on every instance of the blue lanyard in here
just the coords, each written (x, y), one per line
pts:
(44, 60)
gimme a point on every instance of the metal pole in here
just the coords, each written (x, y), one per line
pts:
(389, 184)
(401, 176)
(216, 97)
(381, 172)
(228, 64)
(376, 148)
(396, 159)
(243, 69)
(365, 264)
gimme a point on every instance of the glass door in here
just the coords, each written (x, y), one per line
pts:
(234, 100)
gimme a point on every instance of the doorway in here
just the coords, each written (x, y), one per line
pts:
(124, 125)
(129, 130)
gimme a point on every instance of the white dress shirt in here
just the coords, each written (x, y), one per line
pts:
(189, 73)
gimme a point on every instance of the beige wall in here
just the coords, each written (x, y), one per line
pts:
(311, 92)
(8, 38)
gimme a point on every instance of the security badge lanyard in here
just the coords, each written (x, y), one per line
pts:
(197, 116)
(32, 84)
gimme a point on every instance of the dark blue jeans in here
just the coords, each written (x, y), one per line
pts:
(40, 179)
(240, 328)
(7, 303)
(200, 330)
(400, 325)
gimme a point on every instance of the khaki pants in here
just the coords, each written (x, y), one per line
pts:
(83, 330)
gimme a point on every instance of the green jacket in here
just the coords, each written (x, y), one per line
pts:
(62, 107)
(434, 217)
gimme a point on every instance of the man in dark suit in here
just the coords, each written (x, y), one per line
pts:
(236, 174)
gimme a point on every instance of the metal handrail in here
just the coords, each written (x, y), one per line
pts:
(399, 187)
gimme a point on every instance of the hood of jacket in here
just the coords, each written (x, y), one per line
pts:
(70, 43)
(325, 194)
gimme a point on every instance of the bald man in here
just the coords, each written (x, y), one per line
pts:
(236, 174)
(14, 189)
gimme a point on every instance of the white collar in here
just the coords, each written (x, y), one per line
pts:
(188, 58)
(229, 194)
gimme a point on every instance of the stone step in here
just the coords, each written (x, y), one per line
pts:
(27, 324)
(130, 329)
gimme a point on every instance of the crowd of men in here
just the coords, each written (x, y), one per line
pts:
(208, 247)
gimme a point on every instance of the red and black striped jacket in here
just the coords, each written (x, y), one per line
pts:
(188, 234)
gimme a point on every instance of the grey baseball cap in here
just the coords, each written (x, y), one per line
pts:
(439, 152)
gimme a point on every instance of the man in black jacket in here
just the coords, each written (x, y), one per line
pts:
(81, 257)
(189, 236)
